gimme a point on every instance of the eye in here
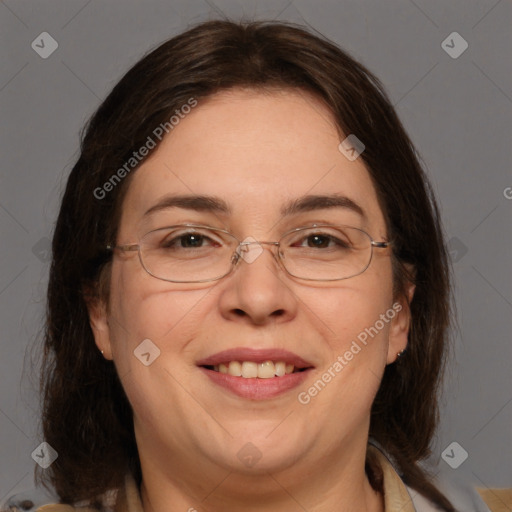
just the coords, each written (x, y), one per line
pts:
(318, 241)
(323, 241)
(189, 240)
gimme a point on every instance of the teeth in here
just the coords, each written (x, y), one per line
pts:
(280, 368)
(251, 370)
(266, 370)
(235, 369)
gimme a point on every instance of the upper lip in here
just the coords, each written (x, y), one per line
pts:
(255, 355)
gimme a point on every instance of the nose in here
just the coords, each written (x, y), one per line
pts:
(258, 291)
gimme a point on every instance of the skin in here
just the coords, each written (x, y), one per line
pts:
(256, 150)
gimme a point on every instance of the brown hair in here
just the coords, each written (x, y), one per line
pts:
(86, 415)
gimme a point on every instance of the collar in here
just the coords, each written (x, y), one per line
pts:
(396, 496)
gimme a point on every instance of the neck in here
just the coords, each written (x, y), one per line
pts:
(339, 483)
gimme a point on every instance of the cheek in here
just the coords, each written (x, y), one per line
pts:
(356, 309)
(151, 328)
(344, 388)
(360, 316)
(144, 308)
(361, 328)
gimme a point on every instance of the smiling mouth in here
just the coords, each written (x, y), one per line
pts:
(256, 374)
(252, 370)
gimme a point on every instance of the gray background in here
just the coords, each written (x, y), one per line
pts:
(457, 111)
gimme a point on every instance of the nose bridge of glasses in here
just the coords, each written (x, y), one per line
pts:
(250, 249)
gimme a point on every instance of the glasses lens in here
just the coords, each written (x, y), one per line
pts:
(325, 253)
(187, 253)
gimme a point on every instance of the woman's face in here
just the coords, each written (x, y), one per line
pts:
(257, 153)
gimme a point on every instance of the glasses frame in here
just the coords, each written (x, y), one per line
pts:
(236, 257)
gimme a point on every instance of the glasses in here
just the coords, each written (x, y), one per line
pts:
(193, 253)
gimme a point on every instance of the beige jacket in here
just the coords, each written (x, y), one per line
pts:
(397, 496)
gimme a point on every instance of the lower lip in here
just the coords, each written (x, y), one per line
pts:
(257, 389)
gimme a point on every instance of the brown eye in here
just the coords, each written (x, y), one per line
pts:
(318, 241)
(323, 241)
(191, 240)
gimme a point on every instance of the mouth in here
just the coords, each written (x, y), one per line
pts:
(256, 374)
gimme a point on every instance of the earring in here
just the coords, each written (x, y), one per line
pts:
(102, 352)
(400, 353)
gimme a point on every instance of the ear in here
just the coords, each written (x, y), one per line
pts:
(98, 318)
(399, 329)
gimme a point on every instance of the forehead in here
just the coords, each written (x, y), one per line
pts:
(255, 150)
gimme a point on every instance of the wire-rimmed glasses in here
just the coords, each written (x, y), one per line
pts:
(195, 253)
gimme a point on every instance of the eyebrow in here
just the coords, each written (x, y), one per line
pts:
(217, 205)
(321, 202)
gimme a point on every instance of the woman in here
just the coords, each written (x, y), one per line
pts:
(249, 296)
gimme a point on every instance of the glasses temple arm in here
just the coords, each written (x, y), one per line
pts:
(381, 245)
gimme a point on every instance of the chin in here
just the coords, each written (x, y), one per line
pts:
(259, 451)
